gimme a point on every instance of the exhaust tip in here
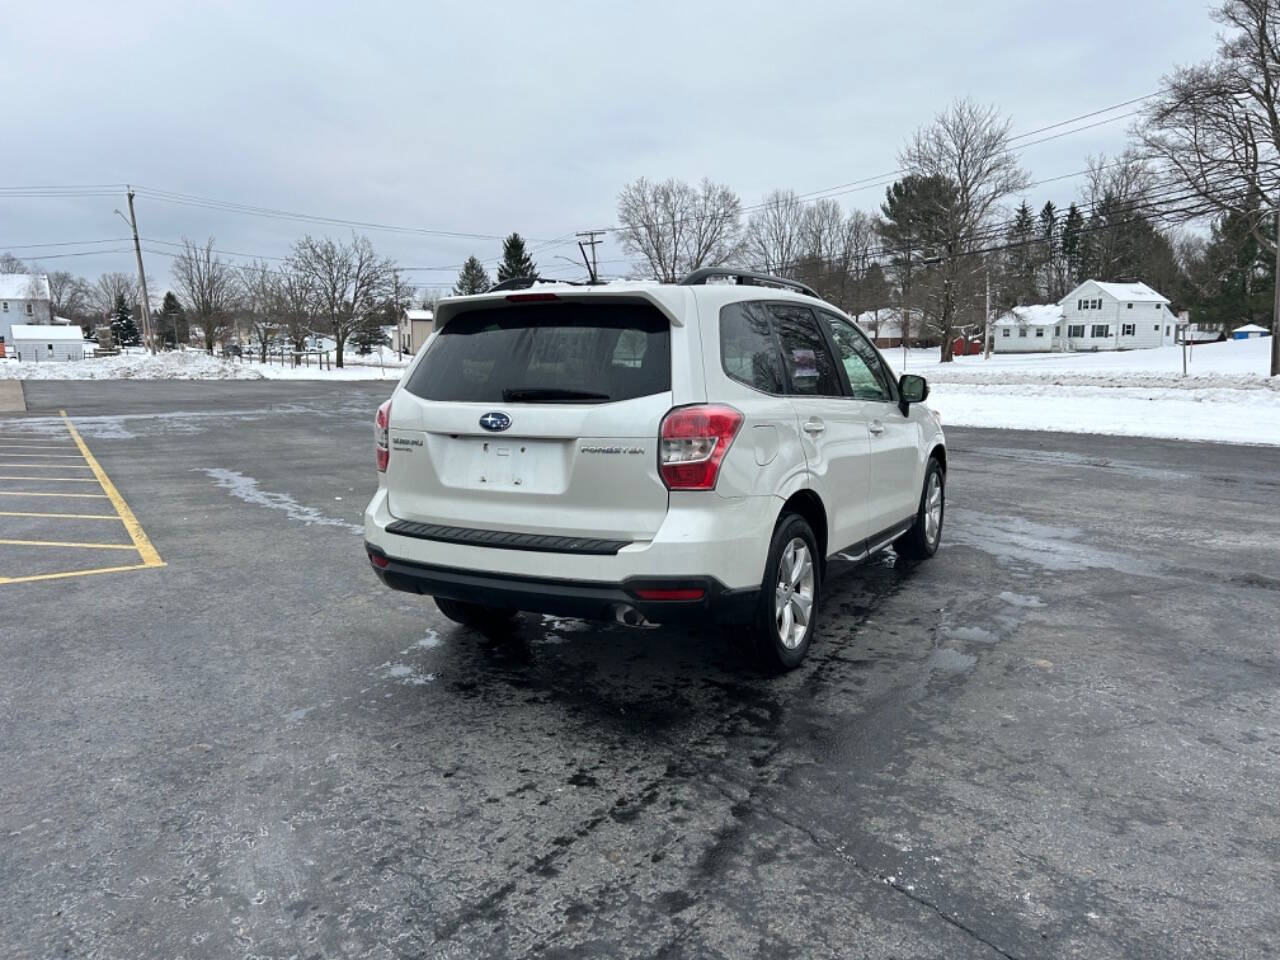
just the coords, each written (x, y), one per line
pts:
(629, 616)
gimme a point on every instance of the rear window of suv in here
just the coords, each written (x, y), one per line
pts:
(548, 353)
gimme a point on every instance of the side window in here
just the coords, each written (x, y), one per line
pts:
(862, 365)
(748, 352)
(809, 367)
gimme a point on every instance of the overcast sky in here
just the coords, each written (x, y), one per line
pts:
(484, 118)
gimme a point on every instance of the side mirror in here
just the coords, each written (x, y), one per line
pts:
(912, 389)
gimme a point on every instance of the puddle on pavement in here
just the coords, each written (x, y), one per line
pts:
(1021, 542)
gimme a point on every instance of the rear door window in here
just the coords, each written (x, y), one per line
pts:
(548, 353)
(748, 351)
(806, 359)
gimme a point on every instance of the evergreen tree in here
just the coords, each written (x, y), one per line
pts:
(370, 334)
(1050, 254)
(171, 321)
(1073, 238)
(471, 279)
(516, 262)
(1019, 286)
(1241, 288)
(123, 329)
(916, 214)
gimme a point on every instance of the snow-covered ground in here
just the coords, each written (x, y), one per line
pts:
(1226, 395)
(197, 365)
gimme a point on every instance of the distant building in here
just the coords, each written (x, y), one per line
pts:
(1249, 331)
(1037, 328)
(1093, 316)
(43, 343)
(884, 327)
(24, 299)
(1195, 334)
(414, 328)
(1116, 316)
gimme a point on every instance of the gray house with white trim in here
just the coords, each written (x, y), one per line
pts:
(24, 298)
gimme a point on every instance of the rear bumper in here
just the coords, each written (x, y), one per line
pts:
(592, 600)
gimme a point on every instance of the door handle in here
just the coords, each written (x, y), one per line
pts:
(814, 427)
(876, 428)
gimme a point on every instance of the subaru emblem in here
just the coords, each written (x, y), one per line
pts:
(495, 422)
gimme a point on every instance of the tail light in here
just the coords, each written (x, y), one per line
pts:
(693, 442)
(381, 425)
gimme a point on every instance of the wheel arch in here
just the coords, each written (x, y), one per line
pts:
(939, 453)
(809, 505)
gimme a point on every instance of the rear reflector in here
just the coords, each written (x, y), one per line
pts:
(673, 593)
(530, 297)
(379, 561)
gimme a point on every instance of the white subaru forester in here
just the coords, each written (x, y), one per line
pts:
(648, 452)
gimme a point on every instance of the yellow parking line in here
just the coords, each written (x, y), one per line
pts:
(64, 516)
(68, 543)
(74, 573)
(47, 466)
(146, 551)
(57, 479)
(32, 493)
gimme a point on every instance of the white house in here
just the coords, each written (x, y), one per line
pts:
(24, 299)
(46, 342)
(414, 328)
(884, 326)
(1033, 329)
(1116, 316)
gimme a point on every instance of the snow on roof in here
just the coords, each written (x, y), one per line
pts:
(24, 286)
(418, 314)
(1251, 328)
(1133, 292)
(1034, 315)
(46, 332)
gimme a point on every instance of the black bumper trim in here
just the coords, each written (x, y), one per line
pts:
(589, 600)
(505, 540)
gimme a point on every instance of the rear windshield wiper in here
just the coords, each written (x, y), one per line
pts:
(549, 395)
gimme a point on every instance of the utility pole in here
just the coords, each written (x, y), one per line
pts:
(589, 238)
(986, 319)
(1275, 316)
(142, 279)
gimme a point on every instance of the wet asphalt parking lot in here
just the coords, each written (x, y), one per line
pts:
(1059, 738)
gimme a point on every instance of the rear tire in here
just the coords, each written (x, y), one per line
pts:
(922, 540)
(789, 595)
(476, 615)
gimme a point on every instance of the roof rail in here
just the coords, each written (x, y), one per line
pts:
(700, 276)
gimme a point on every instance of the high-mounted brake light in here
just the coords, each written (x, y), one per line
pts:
(693, 442)
(381, 438)
(530, 297)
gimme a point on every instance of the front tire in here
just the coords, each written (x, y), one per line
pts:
(922, 540)
(789, 595)
(475, 615)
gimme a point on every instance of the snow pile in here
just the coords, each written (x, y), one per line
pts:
(189, 365)
(1226, 395)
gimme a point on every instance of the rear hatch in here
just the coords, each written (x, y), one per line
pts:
(537, 417)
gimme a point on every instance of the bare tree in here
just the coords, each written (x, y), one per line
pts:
(677, 228)
(69, 294)
(775, 234)
(103, 294)
(969, 146)
(207, 286)
(296, 305)
(349, 281)
(11, 264)
(259, 297)
(1215, 129)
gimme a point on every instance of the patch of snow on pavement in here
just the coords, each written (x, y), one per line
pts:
(246, 489)
(403, 673)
